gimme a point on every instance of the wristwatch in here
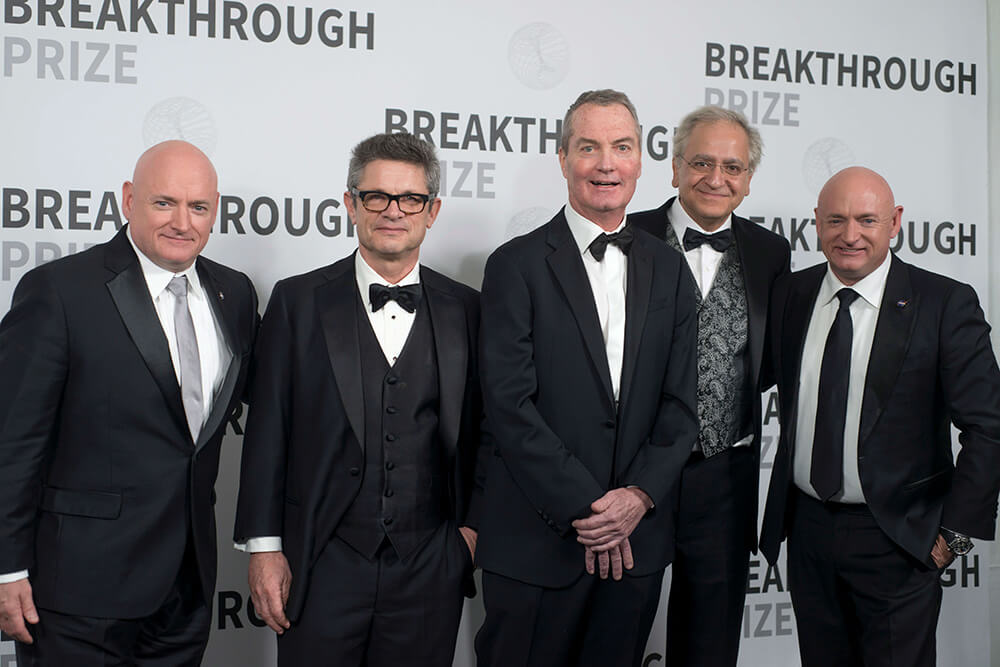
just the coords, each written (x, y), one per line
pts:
(957, 543)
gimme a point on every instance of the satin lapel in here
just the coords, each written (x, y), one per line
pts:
(797, 312)
(640, 280)
(224, 312)
(338, 313)
(756, 288)
(893, 330)
(452, 347)
(567, 265)
(131, 296)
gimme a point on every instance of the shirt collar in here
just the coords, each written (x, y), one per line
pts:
(157, 278)
(870, 288)
(680, 221)
(366, 276)
(584, 231)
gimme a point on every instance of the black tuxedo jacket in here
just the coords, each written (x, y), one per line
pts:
(303, 452)
(931, 366)
(100, 480)
(560, 441)
(764, 256)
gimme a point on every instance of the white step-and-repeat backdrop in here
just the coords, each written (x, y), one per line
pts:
(278, 93)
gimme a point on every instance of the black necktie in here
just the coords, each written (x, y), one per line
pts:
(720, 241)
(827, 471)
(407, 296)
(622, 239)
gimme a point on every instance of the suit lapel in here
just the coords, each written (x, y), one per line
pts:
(130, 294)
(225, 316)
(567, 265)
(336, 301)
(797, 312)
(640, 279)
(756, 288)
(893, 330)
(452, 350)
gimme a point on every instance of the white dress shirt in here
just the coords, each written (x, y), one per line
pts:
(864, 316)
(704, 262)
(213, 353)
(391, 325)
(608, 280)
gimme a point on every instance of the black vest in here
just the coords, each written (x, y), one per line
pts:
(403, 492)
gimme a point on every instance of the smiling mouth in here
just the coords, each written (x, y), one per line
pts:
(605, 184)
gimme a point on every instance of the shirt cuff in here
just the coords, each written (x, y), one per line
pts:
(11, 577)
(259, 544)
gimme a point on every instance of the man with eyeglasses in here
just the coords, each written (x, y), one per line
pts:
(357, 495)
(734, 263)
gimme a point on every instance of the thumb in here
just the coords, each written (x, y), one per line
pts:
(600, 505)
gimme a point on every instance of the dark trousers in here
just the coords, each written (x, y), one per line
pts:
(175, 635)
(709, 573)
(381, 612)
(859, 599)
(598, 622)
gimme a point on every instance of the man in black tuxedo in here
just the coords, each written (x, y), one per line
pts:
(119, 368)
(875, 360)
(734, 263)
(588, 379)
(357, 494)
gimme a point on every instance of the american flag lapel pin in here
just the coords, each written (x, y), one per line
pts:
(902, 303)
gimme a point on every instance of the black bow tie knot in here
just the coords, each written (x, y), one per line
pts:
(622, 239)
(407, 296)
(720, 241)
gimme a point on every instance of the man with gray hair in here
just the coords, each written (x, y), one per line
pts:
(588, 381)
(357, 494)
(734, 263)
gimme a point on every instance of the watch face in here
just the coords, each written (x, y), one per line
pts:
(960, 546)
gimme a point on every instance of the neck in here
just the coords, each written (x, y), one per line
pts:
(390, 269)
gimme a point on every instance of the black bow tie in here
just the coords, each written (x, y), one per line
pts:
(622, 239)
(407, 296)
(720, 241)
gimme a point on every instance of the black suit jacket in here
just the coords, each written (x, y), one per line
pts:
(560, 441)
(100, 480)
(764, 256)
(303, 450)
(931, 366)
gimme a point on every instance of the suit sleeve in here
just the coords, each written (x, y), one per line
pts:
(265, 443)
(971, 384)
(556, 483)
(768, 376)
(479, 441)
(34, 365)
(656, 468)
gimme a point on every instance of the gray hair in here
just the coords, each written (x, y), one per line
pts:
(602, 98)
(401, 147)
(715, 114)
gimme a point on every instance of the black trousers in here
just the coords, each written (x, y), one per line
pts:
(382, 612)
(599, 622)
(175, 635)
(859, 599)
(709, 573)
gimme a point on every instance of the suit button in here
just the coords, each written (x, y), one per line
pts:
(391, 410)
(387, 521)
(389, 465)
(610, 423)
(552, 524)
(392, 379)
(388, 493)
(389, 437)
(355, 472)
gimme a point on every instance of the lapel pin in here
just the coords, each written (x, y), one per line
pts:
(902, 303)
(221, 297)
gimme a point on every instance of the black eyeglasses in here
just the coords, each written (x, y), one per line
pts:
(377, 201)
(731, 169)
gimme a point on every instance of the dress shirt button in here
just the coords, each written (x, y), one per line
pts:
(388, 493)
(390, 437)
(387, 521)
(389, 465)
(392, 379)
(391, 410)
(355, 472)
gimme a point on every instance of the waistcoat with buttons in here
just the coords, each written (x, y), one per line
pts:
(404, 487)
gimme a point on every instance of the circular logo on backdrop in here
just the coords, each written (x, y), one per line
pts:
(539, 56)
(824, 159)
(180, 118)
(527, 220)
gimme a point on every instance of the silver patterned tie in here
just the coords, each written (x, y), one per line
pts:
(187, 350)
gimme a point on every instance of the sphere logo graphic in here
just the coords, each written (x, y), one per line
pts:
(539, 56)
(527, 220)
(823, 159)
(180, 118)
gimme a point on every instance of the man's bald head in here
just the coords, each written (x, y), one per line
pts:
(856, 218)
(171, 203)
